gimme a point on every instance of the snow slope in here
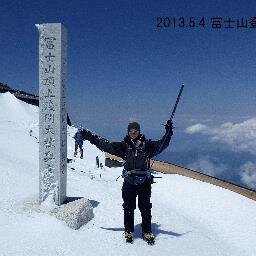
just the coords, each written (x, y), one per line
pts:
(190, 218)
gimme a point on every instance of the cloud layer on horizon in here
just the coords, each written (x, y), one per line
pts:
(208, 165)
(248, 174)
(239, 137)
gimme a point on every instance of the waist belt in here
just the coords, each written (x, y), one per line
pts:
(136, 171)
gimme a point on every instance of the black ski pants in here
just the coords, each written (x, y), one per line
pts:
(129, 194)
(78, 144)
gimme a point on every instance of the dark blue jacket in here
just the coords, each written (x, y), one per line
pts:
(136, 153)
(79, 138)
(121, 149)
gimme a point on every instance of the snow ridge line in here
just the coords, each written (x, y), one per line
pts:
(168, 168)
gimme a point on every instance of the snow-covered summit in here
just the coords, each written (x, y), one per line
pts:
(17, 111)
(190, 218)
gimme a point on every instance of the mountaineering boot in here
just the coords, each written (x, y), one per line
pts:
(148, 237)
(82, 154)
(129, 236)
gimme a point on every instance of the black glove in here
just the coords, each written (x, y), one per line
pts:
(169, 127)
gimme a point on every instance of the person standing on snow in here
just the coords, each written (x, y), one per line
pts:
(136, 150)
(79, 142)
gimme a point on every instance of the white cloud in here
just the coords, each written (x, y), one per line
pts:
(196, 128)
(208, 165)
(248, 174)
(238, 136)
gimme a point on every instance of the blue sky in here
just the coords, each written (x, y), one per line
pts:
(122, 67)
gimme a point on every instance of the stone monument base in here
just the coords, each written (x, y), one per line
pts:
(75, 214)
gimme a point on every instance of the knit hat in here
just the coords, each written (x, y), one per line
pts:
(133, 125)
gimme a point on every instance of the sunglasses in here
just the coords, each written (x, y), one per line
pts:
(133, 131)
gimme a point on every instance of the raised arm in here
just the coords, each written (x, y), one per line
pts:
(113, 148)
(156, 147)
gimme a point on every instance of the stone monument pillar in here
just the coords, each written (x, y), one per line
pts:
(52, 112)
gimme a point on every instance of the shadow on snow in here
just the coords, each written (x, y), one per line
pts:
(155, 229)
(74, 198)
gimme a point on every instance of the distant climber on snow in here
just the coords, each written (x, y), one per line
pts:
(79, 142)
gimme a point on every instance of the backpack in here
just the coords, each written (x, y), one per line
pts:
(137, 162)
